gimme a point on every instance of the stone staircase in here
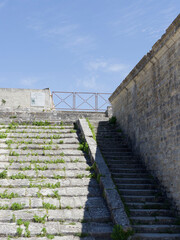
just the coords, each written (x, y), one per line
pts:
(149, 211)
(47, 189)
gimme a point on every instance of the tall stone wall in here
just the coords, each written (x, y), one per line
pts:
(147, 107)
(25, 99)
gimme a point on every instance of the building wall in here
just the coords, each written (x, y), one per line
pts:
(25, 99)
(147, 107)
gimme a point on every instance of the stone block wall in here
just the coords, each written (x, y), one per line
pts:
(25, 99)
(147, 107)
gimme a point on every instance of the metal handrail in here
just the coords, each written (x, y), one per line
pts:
(74, 101)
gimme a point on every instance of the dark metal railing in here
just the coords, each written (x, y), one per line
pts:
(80, 101)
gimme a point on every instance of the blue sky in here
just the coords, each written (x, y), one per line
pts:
(77, 45)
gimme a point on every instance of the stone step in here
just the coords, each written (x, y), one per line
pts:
(41, 136)
(88, 215)
(136, 186)
(157, 228)
(29, 126)
(127, 170)
(154, 220)
(60, 166)
(150, 212)
(28, 141)
(122, 160)
(130, 175)
(45, 159)
(66, 152)
(138, 192)
(125, 165)
(73, 182)
(68, 237)
(48, 173)
(60, 202)
(117, 154)
(38, 131)
(156, 236)
(56, 228)
(134, 180)
(62, 191)
(148, 205)
(117, 151)
(33, 146)
(140, 199)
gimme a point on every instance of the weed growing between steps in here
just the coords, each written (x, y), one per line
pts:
(49, 206)
(83, 146)
(26, 225)
(7, 195)
(17, 206)
(41, 123)
(38, 219)
(92, 129)
(46, 185)
(3, 174)
(3, 135)
(120, 234)
(12, 125)
(112, 120)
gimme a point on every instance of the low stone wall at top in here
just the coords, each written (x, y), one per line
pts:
(25, 99)
(147, 107)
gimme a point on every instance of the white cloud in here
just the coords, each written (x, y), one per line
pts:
(62, 34)
(107, 66)
(29, 81)
(89, 83)
(98, 64)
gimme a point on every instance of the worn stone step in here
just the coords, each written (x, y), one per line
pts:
(55, 228)
(72, 182)
(38, 131)
(27, 141)
(117, 151)
(150, 212)
(138, 192)
(60, 202)
(57, 146)
(49, 173)
(154, 220)
(148, 205)
(130, 175)
(126, 159)
(38, 159)
(62, 191)
(117, 154)
(156, 236)
(150, 198)
(136, 186)
(125, 165)
(127, 170)
(90, 214)
(134, 180)
(40, 136)
(67, 152)
(30, 126)
(157, 228)
(68, 237)
(60, 166)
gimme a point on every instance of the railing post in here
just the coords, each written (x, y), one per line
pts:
(74, 101)
(96, 102)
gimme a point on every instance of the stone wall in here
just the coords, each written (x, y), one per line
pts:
(51, 116)
(25, 99)
(147, 107)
